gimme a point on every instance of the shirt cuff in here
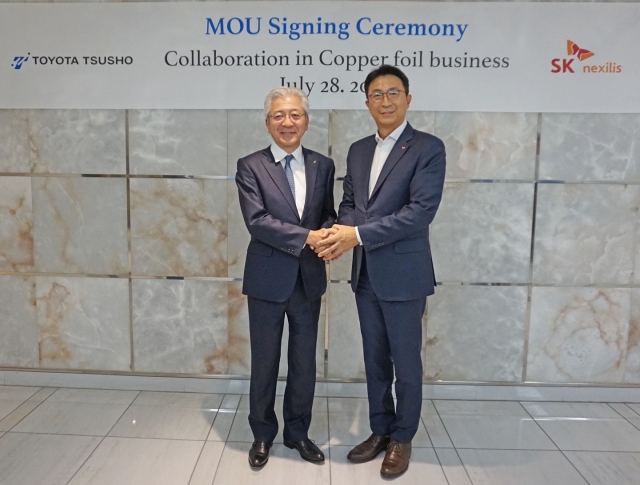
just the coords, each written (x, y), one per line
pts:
(358, 236)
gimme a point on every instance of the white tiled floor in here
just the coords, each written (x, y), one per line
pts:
(97, 437)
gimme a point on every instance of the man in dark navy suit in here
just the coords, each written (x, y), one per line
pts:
(286, 197)
(392, 190)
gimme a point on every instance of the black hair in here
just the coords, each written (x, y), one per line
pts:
(386, 70)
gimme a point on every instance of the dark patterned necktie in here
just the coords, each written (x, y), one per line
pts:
(289, 174)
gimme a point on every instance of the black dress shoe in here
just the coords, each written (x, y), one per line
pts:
(259, 453)
(368, 449)
(307, 449)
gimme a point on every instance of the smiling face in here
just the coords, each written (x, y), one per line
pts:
(287, 133)
(388, 114)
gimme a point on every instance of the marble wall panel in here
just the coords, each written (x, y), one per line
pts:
(16, 224)
(80, 225)
(239, 344)
(239, 236)
(18, 322)
(14, 133)
(579, 147)
(179, 227)
(340, 269)
(586, 234)
(239, 336)
(178, 142)
(349, 126)
(632, 365)
(346, 360)
(578, 334)
(476, 333)
(77, 141)
(83, 323)
(482, 233)
(180, 326)
(248, 133)
(489, 145)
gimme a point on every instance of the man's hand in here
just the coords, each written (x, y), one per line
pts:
(314, 238)
(336, 244)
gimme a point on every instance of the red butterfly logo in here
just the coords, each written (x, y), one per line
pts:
(574, 50)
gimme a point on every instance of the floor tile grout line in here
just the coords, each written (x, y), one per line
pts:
(26, 415)
(226, 441)
(218, 413)
(629, 407)
(555, 444)
(624, 417)
(452, 443)
(440, 462)
(214, 419)
(195, 465)
(328, 437)
(102, 440)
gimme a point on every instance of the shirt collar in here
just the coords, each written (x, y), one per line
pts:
(395, 134)
(279, 153)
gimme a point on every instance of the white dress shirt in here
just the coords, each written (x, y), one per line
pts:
(297, 167)
(383, 148)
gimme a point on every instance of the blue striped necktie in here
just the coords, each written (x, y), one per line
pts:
(289, 174)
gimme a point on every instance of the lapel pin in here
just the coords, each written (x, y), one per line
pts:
(404, 148)
(314, 161)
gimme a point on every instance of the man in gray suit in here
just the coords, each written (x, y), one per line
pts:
(286, 198)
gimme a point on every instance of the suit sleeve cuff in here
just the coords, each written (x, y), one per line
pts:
(358, 236)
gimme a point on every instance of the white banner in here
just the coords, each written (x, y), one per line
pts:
(524, 57)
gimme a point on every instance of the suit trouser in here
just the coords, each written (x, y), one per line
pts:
(391, 337)
(266, 322)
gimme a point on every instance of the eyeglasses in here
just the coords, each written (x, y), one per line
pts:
(392, 95)
(280, 117)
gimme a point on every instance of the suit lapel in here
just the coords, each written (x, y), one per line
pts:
(310, 174)
(399, 149)
(363, 179)
(276, 172)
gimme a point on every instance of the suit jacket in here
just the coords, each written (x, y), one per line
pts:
(277, 249)
(394, 222)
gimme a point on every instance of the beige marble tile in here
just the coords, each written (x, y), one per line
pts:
(18, 322)
(83, 323)
(482, 233)
(178, 142)
(461, 338)
(80, 225)
(140, 461)
(16, 221)
(489, 145)
(180, 326)
(348, 126)
(77, 141)
(14, 133)
(578, 334)
(178, 227)
(580, 146)
(239, 347)
(586, 234)
(27, 459)
(632, 364)
(345, 340)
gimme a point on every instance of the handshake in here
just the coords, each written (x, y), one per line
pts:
(332, 243)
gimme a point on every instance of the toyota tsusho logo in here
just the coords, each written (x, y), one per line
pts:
(18, 61)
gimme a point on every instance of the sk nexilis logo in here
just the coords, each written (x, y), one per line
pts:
(18, 61)
(574, 51)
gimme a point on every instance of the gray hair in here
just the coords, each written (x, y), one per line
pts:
(282, 92)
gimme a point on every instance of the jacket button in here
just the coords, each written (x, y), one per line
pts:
(367, 216)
